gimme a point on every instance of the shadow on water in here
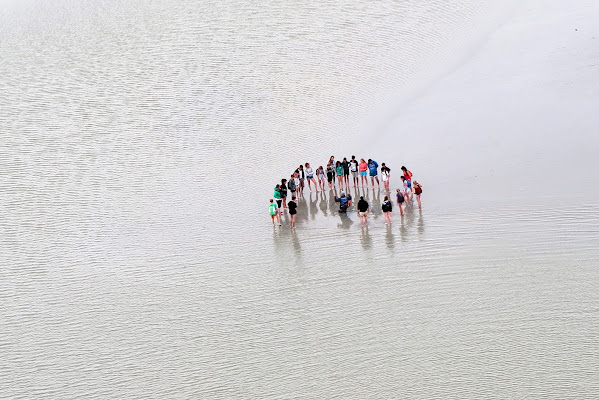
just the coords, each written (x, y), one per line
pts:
(365, 238)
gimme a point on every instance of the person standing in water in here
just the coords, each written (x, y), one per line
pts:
(363, 210)
(408, 174)
(353, 167)
(291, 185)
(418, 192)
(292, 212)
(321, 177)
(385, 176)
(284, 192)
(331, 175)
(310, 177)
(387, 208)
(363, 167)
(400, 200)
(339, 172)
(345, 166)
(373, 168)
(274, 212)
(302, 180)
(278, 197)
(407, 188)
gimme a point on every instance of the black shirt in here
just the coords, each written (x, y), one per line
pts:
(362, 206)
(292, 207)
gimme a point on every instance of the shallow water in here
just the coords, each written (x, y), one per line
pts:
(140, 145)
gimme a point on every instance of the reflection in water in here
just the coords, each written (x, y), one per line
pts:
(403, 230)
(346, 221)
(389, 240)
(365, 238)
(420, 223)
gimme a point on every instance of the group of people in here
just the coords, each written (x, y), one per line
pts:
(344, 174)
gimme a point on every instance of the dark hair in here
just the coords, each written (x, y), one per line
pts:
(404, 168)
(278, 185)
(361, 197)
(344, 158)
(386, 198)
(292, 197)
(369, 160)
(353, 156)
(403, 177)
(283, 180)
(383, 164)
(301, 166)
(337, 163)
(271, 200)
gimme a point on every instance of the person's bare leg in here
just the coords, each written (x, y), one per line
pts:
(401, 210)
(418, 200)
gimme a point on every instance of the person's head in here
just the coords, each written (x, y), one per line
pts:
(320, 167)
(332, 158)
(292, 197)
(416, 183)
(362, 160)
(342, 194)
(278, 186)
(403, 168)
(344, 159)
(271, 200)
(353, 157)
(307, 165)
(361, 198)
(383, 165)
(386, 198)
(301, 167)
(369, 161)
(283, 180)
(338, 163)
(296, 174)
(292, 175)
(397, 190)
(403, 178)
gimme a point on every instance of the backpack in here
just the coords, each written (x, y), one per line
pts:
(343, 201)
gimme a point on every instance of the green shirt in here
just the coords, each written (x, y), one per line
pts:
(273, 209)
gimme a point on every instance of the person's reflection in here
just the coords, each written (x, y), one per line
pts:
(403, 231)
(297, 247)
(346, 222)
(302, 211)
(365, 238)
(420, 224)
(313, 207)
(389, 240)
(323, 204)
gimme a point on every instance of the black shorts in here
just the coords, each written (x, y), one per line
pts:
(346, 172)
(279, 202)
(330, 176)
(292, 212)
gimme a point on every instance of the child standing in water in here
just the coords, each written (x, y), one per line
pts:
(353, 167)
(274, 212)
(331, 175)
(339, 171)
(363, 210)
(373, 167)
(363, 167)
(345, 166)
(387, 207)
(292, 212)
(278, 197)
(284, 192)
(418, 192)
(321, 177)
(385, 176)
(408, 174)
(310, 177)
(400, 200)
(405, 188)
(302, 177)
(291, 185)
